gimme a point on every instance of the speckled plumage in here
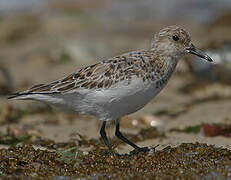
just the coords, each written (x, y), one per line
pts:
(120, 85)
(100, 88)
(137, 64)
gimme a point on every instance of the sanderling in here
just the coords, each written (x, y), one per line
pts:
(120, 85)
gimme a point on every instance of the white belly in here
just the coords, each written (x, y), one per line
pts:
(115, 102)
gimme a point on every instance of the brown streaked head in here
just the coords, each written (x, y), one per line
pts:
(175, 42)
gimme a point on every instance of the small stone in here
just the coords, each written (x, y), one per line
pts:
(150, 120)
(129, 122)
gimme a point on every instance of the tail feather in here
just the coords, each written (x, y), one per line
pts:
(17, 95)
(14, 95)
(25, 95)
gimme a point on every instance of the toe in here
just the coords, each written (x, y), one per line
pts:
(143, 150)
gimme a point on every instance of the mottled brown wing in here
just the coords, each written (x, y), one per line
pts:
(99, 75)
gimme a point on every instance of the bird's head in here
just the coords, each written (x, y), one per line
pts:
(175, 42)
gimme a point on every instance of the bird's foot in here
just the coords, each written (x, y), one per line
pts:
(143, 150)
(138, 150)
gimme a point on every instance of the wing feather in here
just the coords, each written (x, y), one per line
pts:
(100, 75)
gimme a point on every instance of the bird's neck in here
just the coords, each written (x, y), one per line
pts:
(162, 65)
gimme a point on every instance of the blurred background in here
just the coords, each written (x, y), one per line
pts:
(44, 40)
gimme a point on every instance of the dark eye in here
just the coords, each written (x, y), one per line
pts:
(175, 38)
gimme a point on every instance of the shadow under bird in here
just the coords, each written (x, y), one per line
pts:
(119, 85)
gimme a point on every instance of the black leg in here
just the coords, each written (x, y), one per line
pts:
(104, 136)
(120, 136)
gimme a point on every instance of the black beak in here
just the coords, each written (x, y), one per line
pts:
(193, 50)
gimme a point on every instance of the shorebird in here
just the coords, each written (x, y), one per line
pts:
(119, 85)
